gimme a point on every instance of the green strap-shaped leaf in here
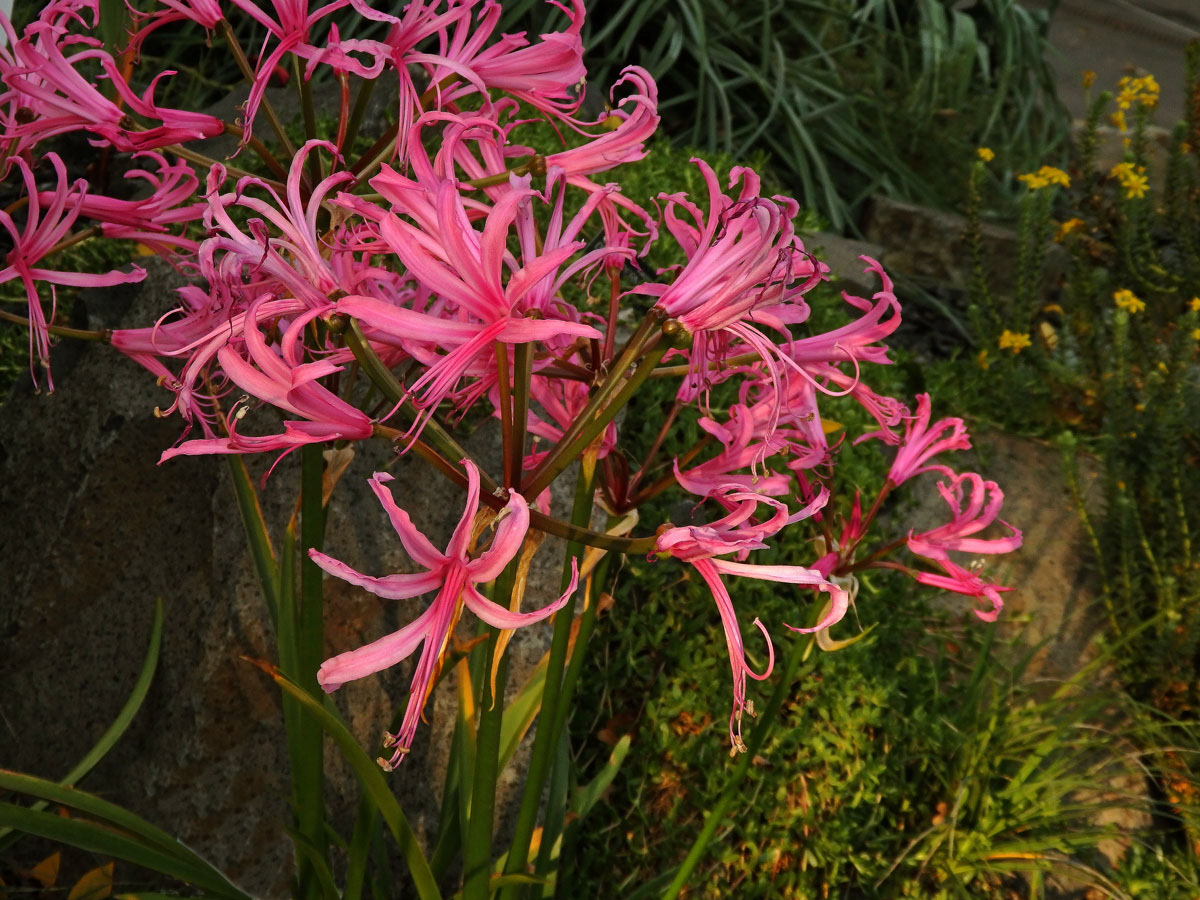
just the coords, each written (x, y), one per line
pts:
(316, 859)
(112, 842)
(590, 794)
(519, 714)
(119, 725)
(373, 782)
(257, 536)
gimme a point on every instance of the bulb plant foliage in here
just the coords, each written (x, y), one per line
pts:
(379, 282)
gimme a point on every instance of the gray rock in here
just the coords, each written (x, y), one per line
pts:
(94, 531)
(930, 246)
(842, 256)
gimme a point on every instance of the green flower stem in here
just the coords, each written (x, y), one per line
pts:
(504, 389)
(557, 800)
(652, 453)
(382, 377)
(618, 387)
(448, 448)
(308, 763)
(477, 854)
(546, 737)
(535, 164)
(522, 375)
(78, 334)
(309, 110)
(587, 624)
(300, 637)
(206, 161)
(538, 520)
(260, 148)
(796, 654)
(1181, 517)
(361, 100)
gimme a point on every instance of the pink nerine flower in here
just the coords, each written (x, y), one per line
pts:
(737, 534)
(968, 583)
(454, 575)
(283, 379)
(44, 227)
(969, 516)
(922, 443)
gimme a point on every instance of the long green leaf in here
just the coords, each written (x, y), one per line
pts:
(519, 714)
(373, 782)
(321, 873)
(111, 842)
(590, 794)
(98, 808)
(119, 725)
(257, 536)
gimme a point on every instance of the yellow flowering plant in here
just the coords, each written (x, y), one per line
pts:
(1103, 345)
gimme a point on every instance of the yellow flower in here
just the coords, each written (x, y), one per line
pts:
(1118, 120)
(985, 153)
(1143, 90)
(1134, 182)
(1044, 177)
(1135, 186)
(1089, 78)
(1066, 228)
(982, 358)
(1127, 300)
(1194, 304)
(1055, 176)
(1196, 334)
(1149, 89)
(1014, 341)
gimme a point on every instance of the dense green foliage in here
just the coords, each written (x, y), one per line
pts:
(850, 97)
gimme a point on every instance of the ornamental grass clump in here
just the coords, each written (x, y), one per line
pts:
(341, 294)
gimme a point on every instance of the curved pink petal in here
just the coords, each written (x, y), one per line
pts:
(499, 617)
(389, 587)
(375, 656)
(506, 543)
(415, 544)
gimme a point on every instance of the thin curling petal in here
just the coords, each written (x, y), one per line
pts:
(922, 443)
(737, 533)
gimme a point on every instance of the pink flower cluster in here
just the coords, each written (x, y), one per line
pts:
(475, 268)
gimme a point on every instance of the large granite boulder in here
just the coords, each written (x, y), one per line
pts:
(94, 531)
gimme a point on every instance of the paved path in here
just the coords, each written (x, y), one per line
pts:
(1111, 36)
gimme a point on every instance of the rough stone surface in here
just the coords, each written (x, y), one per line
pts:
(94, 531)
(931, 246)
(1053, 605)
(842, 256)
